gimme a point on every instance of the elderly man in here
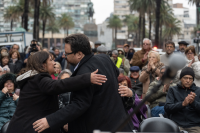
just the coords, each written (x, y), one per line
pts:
(126, 50)
(158, 99)
(170, 47)
(182, 47)
(102, 50)
(140, 58)
(135, 83)
(183, 102)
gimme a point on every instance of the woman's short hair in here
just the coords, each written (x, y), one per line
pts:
(122, 78)
(192, 48)
(57, 63)
(65, 71)
(156, 53)
(18, 54)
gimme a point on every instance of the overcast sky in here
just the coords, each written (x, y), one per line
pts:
(103, 8)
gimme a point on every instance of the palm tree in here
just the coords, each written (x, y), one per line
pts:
(19, 10)
(10, 15)
(140, 7)
(53, 27)
(46, 14)
(172, 29)
(158, 4)
(115, 23)
(196, 2)
(66, 22)
(26, 12)
(194, 32)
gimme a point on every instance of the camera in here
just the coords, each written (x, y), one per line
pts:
(33, 46)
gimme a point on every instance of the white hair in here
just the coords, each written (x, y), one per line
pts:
(147, 39)
(115, 52)
(65, 71)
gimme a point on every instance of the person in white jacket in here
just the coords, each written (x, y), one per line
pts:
(193, 62)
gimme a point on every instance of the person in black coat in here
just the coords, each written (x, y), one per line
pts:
(15, 59)
(93, 107)
(39, 92)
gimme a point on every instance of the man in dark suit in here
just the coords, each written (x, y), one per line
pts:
(96, 107)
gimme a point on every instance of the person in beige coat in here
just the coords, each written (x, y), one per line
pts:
(150, 71)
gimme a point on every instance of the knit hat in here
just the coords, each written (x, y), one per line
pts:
(4, 48)
(6, 77)
(187, 71)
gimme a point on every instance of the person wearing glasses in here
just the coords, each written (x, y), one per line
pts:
(158, 99)
(140, 58)
(192, 62)
(183, 102)
(135, 83)
(169, 47)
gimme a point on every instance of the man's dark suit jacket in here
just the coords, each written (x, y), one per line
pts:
(96, 107)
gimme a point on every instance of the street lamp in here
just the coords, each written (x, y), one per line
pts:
(131, 39)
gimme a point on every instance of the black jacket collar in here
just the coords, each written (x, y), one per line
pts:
(83, 61)
(192, 87)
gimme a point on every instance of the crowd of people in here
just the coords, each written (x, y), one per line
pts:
(131, 77)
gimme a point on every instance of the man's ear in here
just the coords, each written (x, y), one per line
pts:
(80, 55)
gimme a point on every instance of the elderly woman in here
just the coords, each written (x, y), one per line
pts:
(150, 71)
(8, 99)
(193, 62)
(126, 92)
(57, 71)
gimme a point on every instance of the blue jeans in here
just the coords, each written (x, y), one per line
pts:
(157, 110)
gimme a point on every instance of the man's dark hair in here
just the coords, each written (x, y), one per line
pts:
(169, 42)
(56, 48)
(79, 42)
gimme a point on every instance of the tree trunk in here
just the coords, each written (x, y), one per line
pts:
(150, 25)
(11, 25)
(143, 27)
(26, 11)
(22, 21)
(115, 38)
(67, 32)
(158, 4)
(140, 21)
(161, 28)
(36, 20)
(197, 13)
(43, 30)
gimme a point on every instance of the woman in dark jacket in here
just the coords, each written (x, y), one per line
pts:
(39, 92)
(15, 59)
(5, 62)
(8, 99)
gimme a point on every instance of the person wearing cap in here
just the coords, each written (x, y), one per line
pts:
(126, 50)
(157, 100)
(135, 83)
(140, 58)
(102, 50)
(183, 102)
(182, 46)
(169, 47)
(8, 98)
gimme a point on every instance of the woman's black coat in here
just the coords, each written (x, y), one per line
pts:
(18, 66)
(39, 98)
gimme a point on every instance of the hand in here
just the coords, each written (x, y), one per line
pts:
(40, 125)
(15, 97)
(192, 95)
(145, 56)
(152, 65)
(65, 127)
(149, 66)
(166, 87)
(5, 90)
(187, 100)
(125, 91)
(190, 64)
(25, 61)
(98, 78)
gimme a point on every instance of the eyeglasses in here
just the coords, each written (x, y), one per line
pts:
(68, 54)
(146, 44)
(186, 78)
(190, 53)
